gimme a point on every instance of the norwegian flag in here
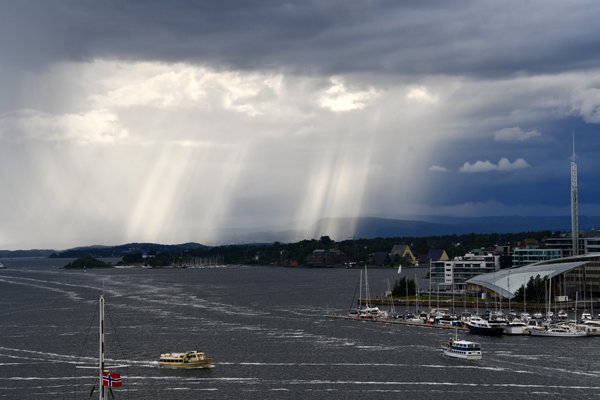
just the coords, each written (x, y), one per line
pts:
(111, 379)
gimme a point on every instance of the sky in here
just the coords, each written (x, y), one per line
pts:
(177, 121)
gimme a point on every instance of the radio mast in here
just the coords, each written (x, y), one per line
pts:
(574, 214)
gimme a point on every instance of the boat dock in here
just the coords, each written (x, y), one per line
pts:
(398, 322)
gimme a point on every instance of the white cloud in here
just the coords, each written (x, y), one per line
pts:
(486, 166)
(421, 94)
(181, 86)
(263, 145)
(515, 134)
(338, 98)
(437, 168)
(586, 103)
(93, 127)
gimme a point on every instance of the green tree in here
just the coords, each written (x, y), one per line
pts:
(87, 262)
(535, 291)
(401, 286)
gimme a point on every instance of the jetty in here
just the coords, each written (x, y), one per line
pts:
(398, 322)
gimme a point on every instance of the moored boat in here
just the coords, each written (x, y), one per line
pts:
(559, 331)
(480, 326)
(187, 360)
(591, 327)
(516, 327)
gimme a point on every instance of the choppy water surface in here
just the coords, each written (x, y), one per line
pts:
(266, 329)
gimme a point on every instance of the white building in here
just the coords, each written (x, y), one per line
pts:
(446, 274)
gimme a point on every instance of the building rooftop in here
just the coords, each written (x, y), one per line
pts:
(507, 281)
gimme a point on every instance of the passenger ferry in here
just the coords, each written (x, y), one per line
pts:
(461, 349)
(188, 360)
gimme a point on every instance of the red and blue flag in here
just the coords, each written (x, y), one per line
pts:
(111, 379)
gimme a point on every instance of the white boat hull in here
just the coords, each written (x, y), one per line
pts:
(516, 330)
(550, 333)
(470, 356)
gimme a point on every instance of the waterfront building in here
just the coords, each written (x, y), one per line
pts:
(522, 257)
(570, 277)
(590, 243)
(453, 274)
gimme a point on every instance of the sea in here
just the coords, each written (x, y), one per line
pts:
(269, 333)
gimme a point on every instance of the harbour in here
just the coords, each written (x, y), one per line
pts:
(269, 334)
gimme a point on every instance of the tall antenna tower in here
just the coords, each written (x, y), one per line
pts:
(574, 216)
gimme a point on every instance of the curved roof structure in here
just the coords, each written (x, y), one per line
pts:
(507, 281)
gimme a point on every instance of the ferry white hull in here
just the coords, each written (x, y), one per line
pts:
(471, 356)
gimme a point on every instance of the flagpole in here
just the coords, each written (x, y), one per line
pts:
(101, 350)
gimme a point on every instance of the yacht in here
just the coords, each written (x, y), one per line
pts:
(559, 331)
(187, 360)
(516, 327)
(586, 315)
(372, 313)
(525, 316)
(462, 349)
(591, 326)
(534, 324)
(480, 326)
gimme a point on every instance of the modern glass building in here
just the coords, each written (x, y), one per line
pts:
(522, 257)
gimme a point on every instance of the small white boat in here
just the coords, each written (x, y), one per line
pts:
(516, 327)
(586, 315)
(480, 326)
(591, 327)
(559, 331)
(462, 349)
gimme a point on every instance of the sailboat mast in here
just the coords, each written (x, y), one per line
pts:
(360, 291)
(524, 296)
(101, 350)
(367, 294)
(429, 304)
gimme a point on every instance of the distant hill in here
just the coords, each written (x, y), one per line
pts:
(434, 226)
(420, 226)
(25, 253)
(121, 250)
(346, 228)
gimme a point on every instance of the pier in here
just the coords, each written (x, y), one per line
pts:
(398, 322)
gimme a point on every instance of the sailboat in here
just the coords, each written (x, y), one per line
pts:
(365, 311)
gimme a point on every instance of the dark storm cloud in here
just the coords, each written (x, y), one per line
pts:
(431, 37)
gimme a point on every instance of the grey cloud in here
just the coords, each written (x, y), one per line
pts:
(434, 37)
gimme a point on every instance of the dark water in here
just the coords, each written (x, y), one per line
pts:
(267, 332)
